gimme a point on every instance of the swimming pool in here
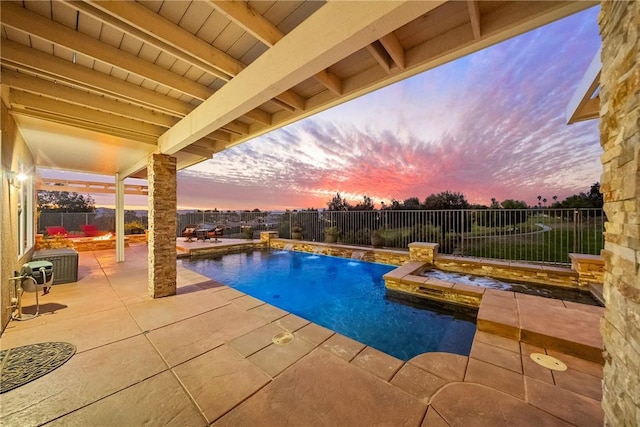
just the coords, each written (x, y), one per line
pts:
(347, 296)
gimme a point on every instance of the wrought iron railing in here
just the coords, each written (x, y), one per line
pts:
(531, 235)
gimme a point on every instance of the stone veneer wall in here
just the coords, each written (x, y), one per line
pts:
(620, 186)
(161, 173)
(383, 256)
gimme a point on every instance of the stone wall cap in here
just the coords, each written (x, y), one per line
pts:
(423, 245)
(585, 258)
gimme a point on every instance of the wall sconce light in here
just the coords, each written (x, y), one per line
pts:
(17, 178)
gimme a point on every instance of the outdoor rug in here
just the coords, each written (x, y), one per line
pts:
(21, 365)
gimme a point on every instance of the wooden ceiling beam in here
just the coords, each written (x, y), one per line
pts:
(330, 81)
(32, 23)
(52, 184)
(30, 59)
(474, 15)
(115, 21)
(154, 25)
(259, 115)
(258, 26)
(68, 94)
(394, 48)
(198, 151)
(237, 127)
(76, 112)
(243, 14)
(82, 124)
(380, 55)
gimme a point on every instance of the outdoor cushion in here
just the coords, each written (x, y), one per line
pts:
(56, 230)
(90, 230)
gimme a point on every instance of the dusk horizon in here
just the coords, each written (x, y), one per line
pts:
(489, 125)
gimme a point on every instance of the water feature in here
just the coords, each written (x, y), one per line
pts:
(288, 247)
(357, 255)
(350, 300)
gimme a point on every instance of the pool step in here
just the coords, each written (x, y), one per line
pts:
(597, 293)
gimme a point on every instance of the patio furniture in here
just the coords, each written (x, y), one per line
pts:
(216, 232)
(203, 233)
(90, 230)
(57, 231)
(189, 232)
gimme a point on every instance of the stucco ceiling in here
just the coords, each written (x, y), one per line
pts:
(97, 86)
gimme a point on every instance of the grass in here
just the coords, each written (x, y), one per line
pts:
(551, 246)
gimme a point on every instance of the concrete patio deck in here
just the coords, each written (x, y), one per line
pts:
(206, 356)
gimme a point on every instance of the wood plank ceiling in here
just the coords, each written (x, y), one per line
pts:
(96, 86)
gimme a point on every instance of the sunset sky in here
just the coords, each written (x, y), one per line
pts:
(491, 124)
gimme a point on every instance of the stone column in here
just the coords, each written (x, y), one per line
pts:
(161, 171)
(620, 186)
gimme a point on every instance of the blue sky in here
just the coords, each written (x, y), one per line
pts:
(491, 124)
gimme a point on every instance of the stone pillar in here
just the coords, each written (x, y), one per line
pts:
(620, 186)
(419, 251)
(161, 171)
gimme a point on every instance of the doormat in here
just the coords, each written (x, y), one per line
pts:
(21, 365)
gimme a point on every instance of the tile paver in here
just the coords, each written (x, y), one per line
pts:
(277, 357)
(315, 334)
(247, 302)
(496, 356)
(291, 322)
(564, 404)
(120, 375)
(255, 340)
(417, 382)
(498, 341)
(495, 377)
(322, 389)
(268, 312)
(98, 329)
(219, 380)
(576, 381)
(464, 404)
(191, 337)
(378, 363)
(155, 313)
(157, 401)
(451, 367)
(343, 347)
(85, 378)
(433, 419)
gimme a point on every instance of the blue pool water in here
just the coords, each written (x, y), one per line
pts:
(344, 295)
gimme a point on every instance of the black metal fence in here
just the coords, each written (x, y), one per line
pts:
(532, 235)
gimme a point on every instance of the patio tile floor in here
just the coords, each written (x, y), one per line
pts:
(206, 356)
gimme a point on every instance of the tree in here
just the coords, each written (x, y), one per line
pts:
(366, 205)
(412, 203)
(64, 201)
(338, 204)
(514, 204)
(446, 200)
(593, 199)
